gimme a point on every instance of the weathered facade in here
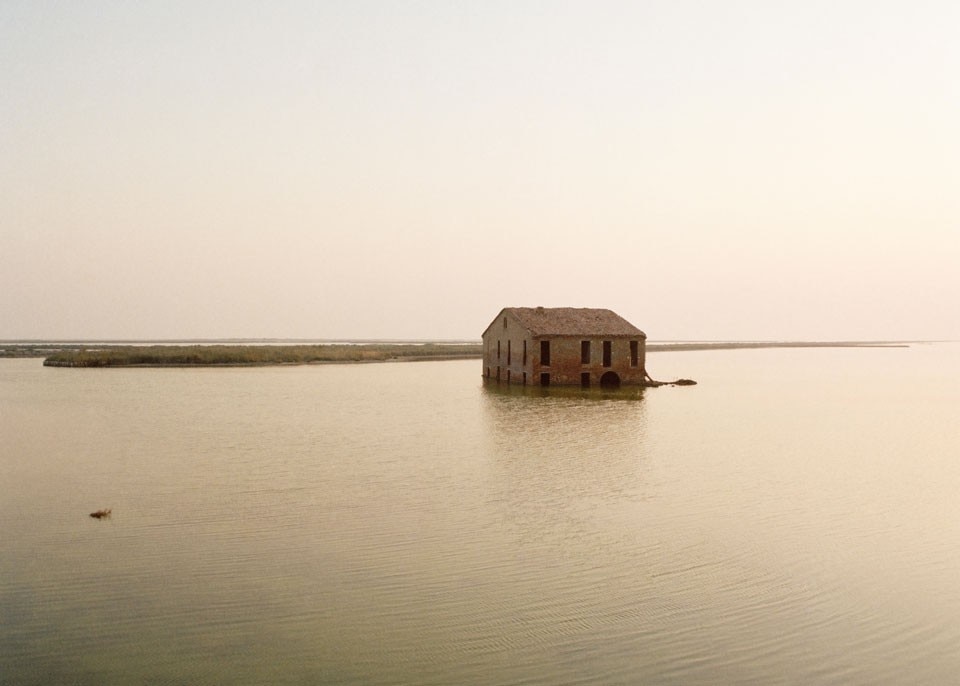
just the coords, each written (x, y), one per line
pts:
(565, 346)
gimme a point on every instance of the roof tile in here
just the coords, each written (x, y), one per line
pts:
(573, 321)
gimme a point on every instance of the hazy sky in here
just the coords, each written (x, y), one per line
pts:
(709, 170)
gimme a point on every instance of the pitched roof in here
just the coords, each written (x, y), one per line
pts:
(573, 321)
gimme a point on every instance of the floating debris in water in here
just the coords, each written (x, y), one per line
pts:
(652, 383)
(100, 514)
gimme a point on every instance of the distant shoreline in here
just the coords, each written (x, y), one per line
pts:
(259, 355)
(743, 345)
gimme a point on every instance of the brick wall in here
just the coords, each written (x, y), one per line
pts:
(503, 357)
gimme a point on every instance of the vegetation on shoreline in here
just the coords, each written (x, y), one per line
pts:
(30, 349)
(254, 355)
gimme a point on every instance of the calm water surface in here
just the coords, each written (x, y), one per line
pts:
(792, 519)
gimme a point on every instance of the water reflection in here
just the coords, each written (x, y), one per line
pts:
(387, 524)
(566, 461)
(585, 422)
(627, 393)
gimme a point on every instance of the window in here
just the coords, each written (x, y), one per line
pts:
(544, 379)
(584, 379)
(634, 353)
(584, 352)
(504, 322)
(498, 350)
(524, 378)
(508, 352)
(607, 353)
(524, 353)
(545, 353)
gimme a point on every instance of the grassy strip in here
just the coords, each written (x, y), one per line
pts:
(240, 355)
(28, 350)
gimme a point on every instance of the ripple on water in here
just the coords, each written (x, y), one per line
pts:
(380, 524)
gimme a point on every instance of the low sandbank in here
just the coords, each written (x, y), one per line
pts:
(254, 355)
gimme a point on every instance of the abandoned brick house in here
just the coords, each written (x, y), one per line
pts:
(567, 346)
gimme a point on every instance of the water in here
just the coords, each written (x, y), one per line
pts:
(792, 519)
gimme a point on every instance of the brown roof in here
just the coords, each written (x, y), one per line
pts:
(572, 321)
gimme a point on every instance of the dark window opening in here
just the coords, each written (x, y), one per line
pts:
(544, 379)
(524, 353)
(607, 353)
(498, 373)
(584, 352)
(508, 352)
(504, 322)
(524, 378)
(498, 350)
(584, 379)
(634, 353)
(545, 353)
(488, 372)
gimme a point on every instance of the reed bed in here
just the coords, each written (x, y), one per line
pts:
(254, 355)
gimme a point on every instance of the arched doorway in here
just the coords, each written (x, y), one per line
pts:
(610, 380)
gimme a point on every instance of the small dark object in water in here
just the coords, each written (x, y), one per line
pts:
(653, 383)
(100, 514)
